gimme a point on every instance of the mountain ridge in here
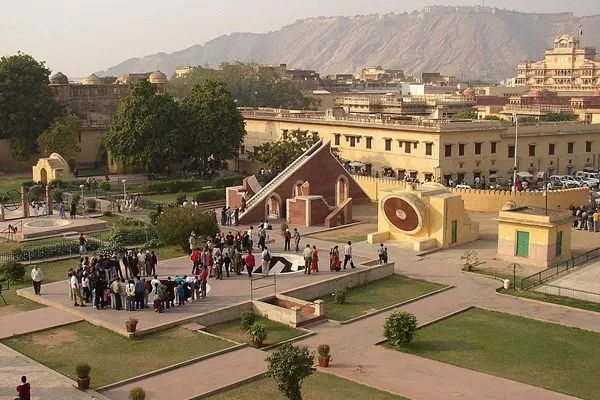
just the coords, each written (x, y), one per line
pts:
(466, 43)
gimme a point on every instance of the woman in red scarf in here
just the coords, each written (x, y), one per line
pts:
(314, 267)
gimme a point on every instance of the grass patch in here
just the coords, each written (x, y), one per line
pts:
(499, 274)
(168, 252)
(548, 298)
(376, 295)
(111, 220)
(111, 356)
(317, 386)
(7, 184)
(543, 354)
(276, 332)
(166, 197)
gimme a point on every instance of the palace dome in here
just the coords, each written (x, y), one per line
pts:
(59, 79)
(158, 77)
(469, 93)
(93, 79)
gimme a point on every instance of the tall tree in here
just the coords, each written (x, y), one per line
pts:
(214, 128)
(27, 105)
(278, 155)
(146, 129)
(61, 137)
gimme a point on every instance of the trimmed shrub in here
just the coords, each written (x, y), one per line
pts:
(130, 221)
(289, 366)
(91, 205)
(323, 350)
(210, 195)
(127, 235)
(13, 270)
(28, 183)
(83, 370)
(137, 393)
(226, 181)
(176, 223)
(61, 247)
(104, 186)
(173, 186)
(247, 319)
(340, 295)
(400, 328)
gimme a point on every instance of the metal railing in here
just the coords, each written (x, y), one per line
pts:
(590, 297)
(549, 273)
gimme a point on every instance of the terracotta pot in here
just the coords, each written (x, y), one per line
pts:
(466, 267)
(83, 383)
(324, 361)
(257, 343)
(130, 327)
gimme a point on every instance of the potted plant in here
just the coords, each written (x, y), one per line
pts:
(137, 393)
(324, 357)
(131, 324)
(257, 333)
(469, 259)
(83, 375)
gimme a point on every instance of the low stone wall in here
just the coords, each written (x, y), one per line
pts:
(327, 287)
(223, 314)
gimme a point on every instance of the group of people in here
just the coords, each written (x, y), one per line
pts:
(40, 208)
(587, 218)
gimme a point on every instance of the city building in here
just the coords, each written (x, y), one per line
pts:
(566, 67)
(183, 70)
(379, 73)
(437, 149)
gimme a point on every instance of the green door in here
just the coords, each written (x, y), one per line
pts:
(454, 231)
(523, 244)
(558, 243)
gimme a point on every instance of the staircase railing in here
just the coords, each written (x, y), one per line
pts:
(277, 180)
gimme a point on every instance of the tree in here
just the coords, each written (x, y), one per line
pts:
(528, 120)
(492, 118)
(289, 366)
(563, 116)
(400, 327)
(214, 128)
(146, 129)
(278, 155)
(465, 115)
(62, 136)
(27, 105)
(175, 224)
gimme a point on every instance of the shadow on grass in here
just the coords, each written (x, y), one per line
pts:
(424, 346)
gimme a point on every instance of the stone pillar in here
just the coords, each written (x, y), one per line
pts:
(24, 203)
(49, 200)
(319, 308)
(2, 212)
(296, 317)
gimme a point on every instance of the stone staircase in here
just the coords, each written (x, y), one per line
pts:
(283, 175)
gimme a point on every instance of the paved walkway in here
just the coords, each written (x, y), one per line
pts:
(34, 321)
(46, 384)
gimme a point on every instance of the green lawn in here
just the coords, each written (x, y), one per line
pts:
(111, 356)
(168, 252)
(166, 197)
(316, 387)
(276, 332)
(376, 295)
(541, 354)
(506, 274)
(7, 184)
(111, 220)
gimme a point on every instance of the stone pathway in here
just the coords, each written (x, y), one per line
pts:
(46, 384)
(34, 321)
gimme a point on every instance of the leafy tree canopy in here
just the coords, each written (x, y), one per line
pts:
(61, 137)
(492, 118)
(289, 366)
(214, 128)
(146, 129)
(563, 116)
(528, 120)
(249, 85)
(278, 155)
(27, 105)
(175, 224)
(465, 115)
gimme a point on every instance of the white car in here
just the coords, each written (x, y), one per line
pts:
(570, 181)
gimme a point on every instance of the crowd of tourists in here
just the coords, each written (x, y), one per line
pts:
(587, 218)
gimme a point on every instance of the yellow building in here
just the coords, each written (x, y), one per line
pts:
(427, 216)
(529, 236)
(566, 67)
(438, 149)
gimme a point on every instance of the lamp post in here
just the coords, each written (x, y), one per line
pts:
(516, 147)
(124, 192)
(82, 201)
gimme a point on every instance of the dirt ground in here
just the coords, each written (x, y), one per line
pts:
(364, 213)
(55, 339)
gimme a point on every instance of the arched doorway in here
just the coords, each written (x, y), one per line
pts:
(297, 189)
(44, 175)
(341, 190)
(273, 207)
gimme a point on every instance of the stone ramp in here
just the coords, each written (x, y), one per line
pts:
(197, 379)
(34, 321)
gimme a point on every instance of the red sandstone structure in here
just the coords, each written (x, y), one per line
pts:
(314, 189)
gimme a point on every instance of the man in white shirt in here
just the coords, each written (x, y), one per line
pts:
(141, 256)
(250, 240)
(266, 261)
(307, 254)
(155, 281)
(37, 278)
(348, 254)
(76, 291)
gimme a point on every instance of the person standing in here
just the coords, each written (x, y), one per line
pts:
(140, 287)
(287, 235)
(227, 263)
(24, 389)
(296, 240)
(99, 287)
(381, 253)
(596, 218)
(262, 237)
(37, 277)
(250, 262)
(315, 260)
(73, 211)
(266, 261)
(61, 210)
(335, 259)
(82, 242)
(76, 290)
(181, 294)
(154, 261)
(348, 254)
(130, 293)
(203, 277)
(307, 254)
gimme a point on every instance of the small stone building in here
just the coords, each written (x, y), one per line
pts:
(534, 236)
(51, 168)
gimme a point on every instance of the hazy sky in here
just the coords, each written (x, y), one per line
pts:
(78, 37)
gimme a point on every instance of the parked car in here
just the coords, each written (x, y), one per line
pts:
(590, 182)
(463, 187)
(569, 181)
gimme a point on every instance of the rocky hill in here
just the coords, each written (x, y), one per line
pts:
(469, 42)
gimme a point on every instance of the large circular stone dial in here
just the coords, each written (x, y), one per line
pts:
(405, 212)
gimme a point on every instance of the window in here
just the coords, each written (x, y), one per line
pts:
(570, 147)
(79, 137)
(551, 149)
(477, 148)
(559, 237)
(428, 149)
(352, 141)
(388, 144)
(493, 147)
(511, 151)
(407, 147)
(461, 149)
(337, 139)
(532, 150)
(369, 142)
(448, 150)
(588, 147)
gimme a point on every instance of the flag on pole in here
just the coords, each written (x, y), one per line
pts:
(580, 30)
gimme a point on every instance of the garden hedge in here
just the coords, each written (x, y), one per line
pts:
(61, 247)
